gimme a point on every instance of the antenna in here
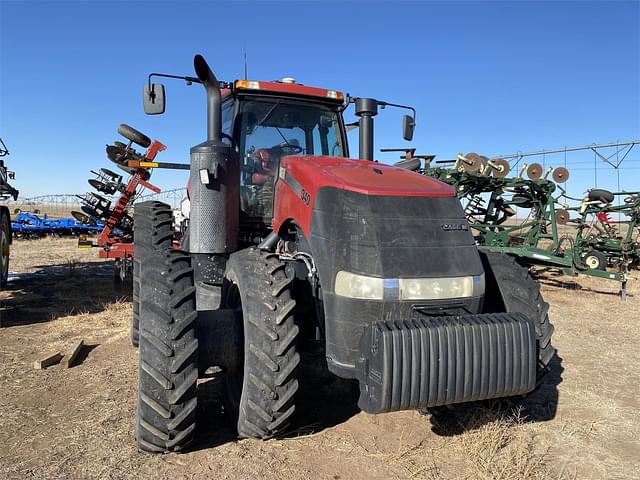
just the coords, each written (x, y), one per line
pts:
(245, 63)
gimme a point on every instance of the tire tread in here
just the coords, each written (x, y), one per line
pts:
(271, 358)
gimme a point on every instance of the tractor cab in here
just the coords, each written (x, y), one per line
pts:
(270, 120)
(265, 121)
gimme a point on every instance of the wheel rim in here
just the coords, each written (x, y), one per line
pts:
(592, 262)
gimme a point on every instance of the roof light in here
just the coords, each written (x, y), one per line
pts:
(288, 80)
(248, 84)
(334, 94)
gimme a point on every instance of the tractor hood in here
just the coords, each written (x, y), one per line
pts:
(302, 179)
(363, 176)
(380, 220)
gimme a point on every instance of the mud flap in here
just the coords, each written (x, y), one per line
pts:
(434, 361)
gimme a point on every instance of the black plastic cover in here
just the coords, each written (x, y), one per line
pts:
(443, 360)
(390, 237)
(385, 237)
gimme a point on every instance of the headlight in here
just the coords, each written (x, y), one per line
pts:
(436, 288)
(353, 285)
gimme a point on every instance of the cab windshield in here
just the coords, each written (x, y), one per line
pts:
(273, 128)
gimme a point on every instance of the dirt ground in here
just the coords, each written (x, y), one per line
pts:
(584, 422)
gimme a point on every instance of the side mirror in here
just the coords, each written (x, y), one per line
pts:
(408, 126)
(153, 98)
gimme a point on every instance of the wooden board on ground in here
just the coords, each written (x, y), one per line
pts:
(47, 361)
(74, 353)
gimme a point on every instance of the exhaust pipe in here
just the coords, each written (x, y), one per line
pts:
(215, 198)
(212, 87)
(366, 109)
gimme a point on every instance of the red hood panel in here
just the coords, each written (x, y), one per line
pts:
(302, 177)
(363, 176)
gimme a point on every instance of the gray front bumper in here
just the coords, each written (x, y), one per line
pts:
(434, 361)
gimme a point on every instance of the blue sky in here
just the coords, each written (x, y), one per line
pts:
(491, 77)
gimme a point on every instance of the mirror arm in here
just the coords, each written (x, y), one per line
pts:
(406, 107)
(189, 80)
(349, 100)
(186, 78)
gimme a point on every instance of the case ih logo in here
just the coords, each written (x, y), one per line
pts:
(448, 227)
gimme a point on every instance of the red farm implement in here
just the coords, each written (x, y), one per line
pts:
(116, 238)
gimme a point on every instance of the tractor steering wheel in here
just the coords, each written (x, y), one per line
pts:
(288, 148)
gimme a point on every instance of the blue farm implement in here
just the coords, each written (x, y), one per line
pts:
(30, 225)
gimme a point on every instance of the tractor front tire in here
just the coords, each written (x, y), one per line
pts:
(168, 370)
(510, 288)
(153, 223)
(261, 393)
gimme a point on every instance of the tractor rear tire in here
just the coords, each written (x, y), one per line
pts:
(260, 396)
(5, 241)
(153, 223)
(168, 369)
(509, 287)
(595, 260)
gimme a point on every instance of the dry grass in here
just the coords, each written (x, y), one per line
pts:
(503, 448)
(52, 210)
(77, 423)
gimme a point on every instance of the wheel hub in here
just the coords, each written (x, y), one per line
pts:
(592, 262)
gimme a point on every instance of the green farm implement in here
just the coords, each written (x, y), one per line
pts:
(602, 241)
(547, 237)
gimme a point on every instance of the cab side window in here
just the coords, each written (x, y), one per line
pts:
(227, 118)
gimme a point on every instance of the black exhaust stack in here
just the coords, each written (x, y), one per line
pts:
(215, 183)
(366, 109)
(214, 107)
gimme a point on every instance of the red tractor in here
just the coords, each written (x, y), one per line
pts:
(289, 238)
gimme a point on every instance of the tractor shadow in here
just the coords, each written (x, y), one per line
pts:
(539, 406)
(323, 401)
(53, 291)
(214, 428)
